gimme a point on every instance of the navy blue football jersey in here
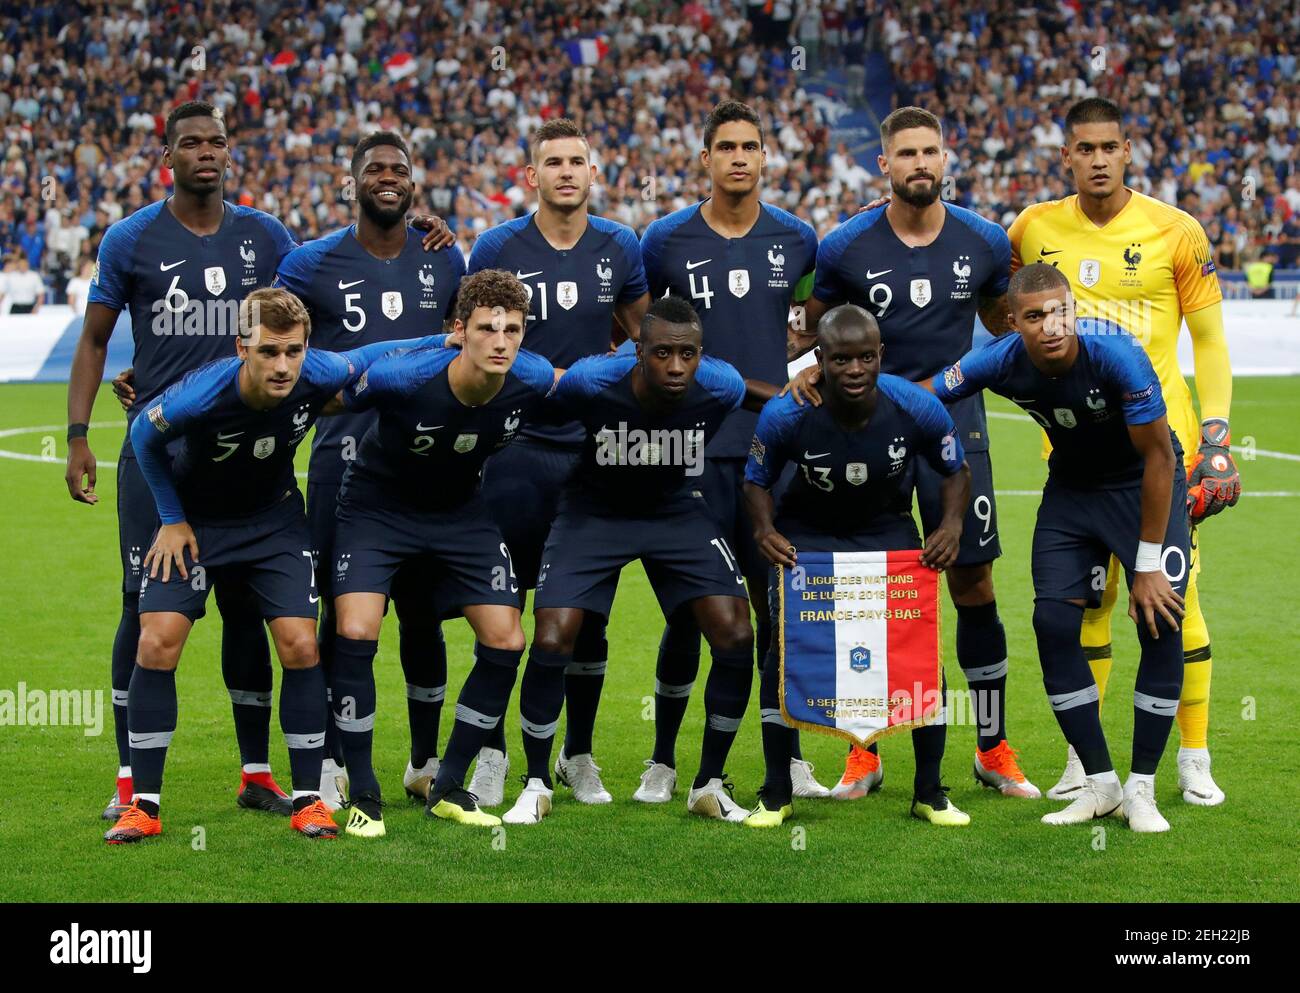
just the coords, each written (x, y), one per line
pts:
(846, 479)
(211, 458)
(182, 290)
(572, 294)
(742, 288)
(634, 460)
(426, 449)
(1085, 412)
(356, 299)
(924, 299)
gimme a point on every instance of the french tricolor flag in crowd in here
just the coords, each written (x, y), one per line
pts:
(586, 51)
(401, 65)
(860, 649)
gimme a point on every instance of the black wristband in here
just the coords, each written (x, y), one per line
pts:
(78, 431)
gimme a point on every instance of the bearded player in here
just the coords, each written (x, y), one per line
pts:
(1147, 266)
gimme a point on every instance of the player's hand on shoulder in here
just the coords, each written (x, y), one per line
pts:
(80, 472)
(1150, 595)
(776, 548)
(878, 202)
(1214, 483)
(803, 388)
(942, 546)
(437, 234)
(124, 388)
(169, 546)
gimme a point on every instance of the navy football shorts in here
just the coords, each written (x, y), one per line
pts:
(458, 554)
(412, 588)
(1078, 531)
(271, 554)
(684, 553)
(979, 535)
(522, 485)
(137, 519)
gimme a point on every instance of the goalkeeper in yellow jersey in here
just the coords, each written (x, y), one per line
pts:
(1147, 266)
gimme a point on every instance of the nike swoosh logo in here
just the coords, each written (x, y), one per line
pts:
(696, 265)
(312, 599)
(348, 286)
(228, 435)
(434, 427)
(163, 266)
(808, 455)
(527, 275)
(877, 275)
(985, 541)
(1043, 252)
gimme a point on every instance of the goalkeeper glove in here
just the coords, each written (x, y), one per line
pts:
(1214, 482)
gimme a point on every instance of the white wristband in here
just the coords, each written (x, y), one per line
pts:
(1148, 557)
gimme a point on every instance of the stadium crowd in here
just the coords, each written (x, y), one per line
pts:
(1210, 89)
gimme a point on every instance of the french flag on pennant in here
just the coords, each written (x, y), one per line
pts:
(860, 648)
(586, 51)
(401, 65)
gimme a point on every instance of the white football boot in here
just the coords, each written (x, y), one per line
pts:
(488, 783)
(1194, 778)
(713, 799)
(801, 776)
(1140, 809)
(333, 784)
(533, 804)
(1095, 799)
(418, 782)
(581, 775)
(1073, 779)
(658, 783)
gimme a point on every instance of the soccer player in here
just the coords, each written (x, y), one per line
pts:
(924, 268)
(228, 503)
(1115, 487)
(740, 262)
(1147, 266)
(855, 454)
(647, 418)
(179, 267)
(413, 493)
(373, 281)
(586, 286)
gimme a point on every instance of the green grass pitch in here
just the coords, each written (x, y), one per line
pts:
(59, 603)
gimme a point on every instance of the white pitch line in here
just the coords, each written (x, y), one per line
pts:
(99, 463)
(1269, 453)
(1246, 493)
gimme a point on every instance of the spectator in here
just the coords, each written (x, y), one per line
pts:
(23, 288)
(79, 286)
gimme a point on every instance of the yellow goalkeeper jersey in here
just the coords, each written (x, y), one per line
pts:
(1144, 270)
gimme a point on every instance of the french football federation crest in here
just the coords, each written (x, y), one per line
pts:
(264, 447)
(247, 253)
(566, 294)
(776, 259)
(214, 278)
(605, 273)
(1064, 417)
(921, 292)
(427, 278)
(1089, 272)
(1095, 401)
(856, 473)
(859, 658)
(465, 443)
(300, 419)
(738, 282)
(391, 304)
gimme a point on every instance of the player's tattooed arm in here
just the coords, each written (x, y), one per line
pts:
(628, 315)
(775, 546)
(87, 373)
(801, 331)
(1151, 593)
(995, 314)
(944, 542)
